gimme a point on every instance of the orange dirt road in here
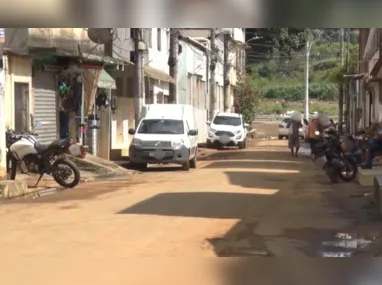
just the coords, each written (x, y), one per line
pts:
(253, 202)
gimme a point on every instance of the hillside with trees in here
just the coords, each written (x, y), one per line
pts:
(276, 60)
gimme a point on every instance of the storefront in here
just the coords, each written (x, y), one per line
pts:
(45, 105)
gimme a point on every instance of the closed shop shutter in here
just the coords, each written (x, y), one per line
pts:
(45, 106)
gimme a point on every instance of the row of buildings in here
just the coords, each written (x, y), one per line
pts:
(71, 81)
(365, 88)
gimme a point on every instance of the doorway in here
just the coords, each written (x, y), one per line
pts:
(21, 100)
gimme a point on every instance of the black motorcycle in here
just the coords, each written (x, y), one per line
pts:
(40, 158)
(329, 155)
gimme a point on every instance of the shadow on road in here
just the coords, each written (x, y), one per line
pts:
(286, 201)
(211, 205)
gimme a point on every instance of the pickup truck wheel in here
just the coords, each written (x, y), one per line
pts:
(186, 165)
(193, 162)
(209, 144)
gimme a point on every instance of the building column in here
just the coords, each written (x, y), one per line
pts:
(3, 171)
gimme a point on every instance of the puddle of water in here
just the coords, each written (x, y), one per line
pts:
(337, 254)
(250, 252)
(344, 245)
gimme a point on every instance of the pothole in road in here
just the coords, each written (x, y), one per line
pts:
(241, 241)
(244, 242)
(345, 245)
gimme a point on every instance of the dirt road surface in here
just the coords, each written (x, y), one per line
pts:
(253, 202)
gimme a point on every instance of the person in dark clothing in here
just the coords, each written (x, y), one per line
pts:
(294, 138)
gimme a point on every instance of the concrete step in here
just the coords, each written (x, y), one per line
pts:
(13, 188)
(365, 177)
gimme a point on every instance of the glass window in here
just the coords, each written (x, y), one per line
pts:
(161, 126)
(227, 120)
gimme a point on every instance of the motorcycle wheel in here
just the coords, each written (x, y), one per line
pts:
(60, 174)
(349, 171)
(11, 167)
(332, 173)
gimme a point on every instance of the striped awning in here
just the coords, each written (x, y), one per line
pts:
(158, 74)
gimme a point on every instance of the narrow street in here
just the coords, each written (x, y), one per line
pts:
(253, 202)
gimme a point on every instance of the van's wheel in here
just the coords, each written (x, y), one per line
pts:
(186, 165)
(281, 137)
(192, 162)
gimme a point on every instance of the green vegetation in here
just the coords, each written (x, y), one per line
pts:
(277, 68)
(281, 107)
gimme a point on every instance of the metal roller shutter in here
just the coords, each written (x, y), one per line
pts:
(45, 106)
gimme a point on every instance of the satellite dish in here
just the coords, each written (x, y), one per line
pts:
(100, 36)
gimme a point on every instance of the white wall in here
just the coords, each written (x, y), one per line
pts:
(238, 35)
(196, 61)
(159, 58)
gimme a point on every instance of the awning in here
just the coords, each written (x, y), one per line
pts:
(157, 74)
(106, 81)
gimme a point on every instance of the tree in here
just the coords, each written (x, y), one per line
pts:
(245, 100)
(284, 41)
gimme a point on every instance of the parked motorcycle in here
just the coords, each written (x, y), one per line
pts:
(26, 153)
(329, 155)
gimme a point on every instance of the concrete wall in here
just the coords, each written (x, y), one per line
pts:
(17, 69)
(123, 43)
(183, 67)
(65, 38)
(158, 58)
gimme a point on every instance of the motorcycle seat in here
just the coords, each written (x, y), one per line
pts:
(42, 147)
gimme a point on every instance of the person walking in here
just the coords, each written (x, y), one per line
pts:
(294, 137)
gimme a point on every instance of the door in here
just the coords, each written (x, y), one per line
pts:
(193, 140)
(45, 106)
(22, 122)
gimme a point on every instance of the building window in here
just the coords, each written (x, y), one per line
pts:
(159, 39)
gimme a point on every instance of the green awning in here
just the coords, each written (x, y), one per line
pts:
(106, 81)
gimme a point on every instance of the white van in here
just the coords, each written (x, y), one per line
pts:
(166, 134)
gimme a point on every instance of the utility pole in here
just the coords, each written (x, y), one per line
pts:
(308, 47)
(341, 85)
(173, 64)
(213, 61)
(342, 47)
(226, 73)
(347, 95)
(309, 44)
(138, 95)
